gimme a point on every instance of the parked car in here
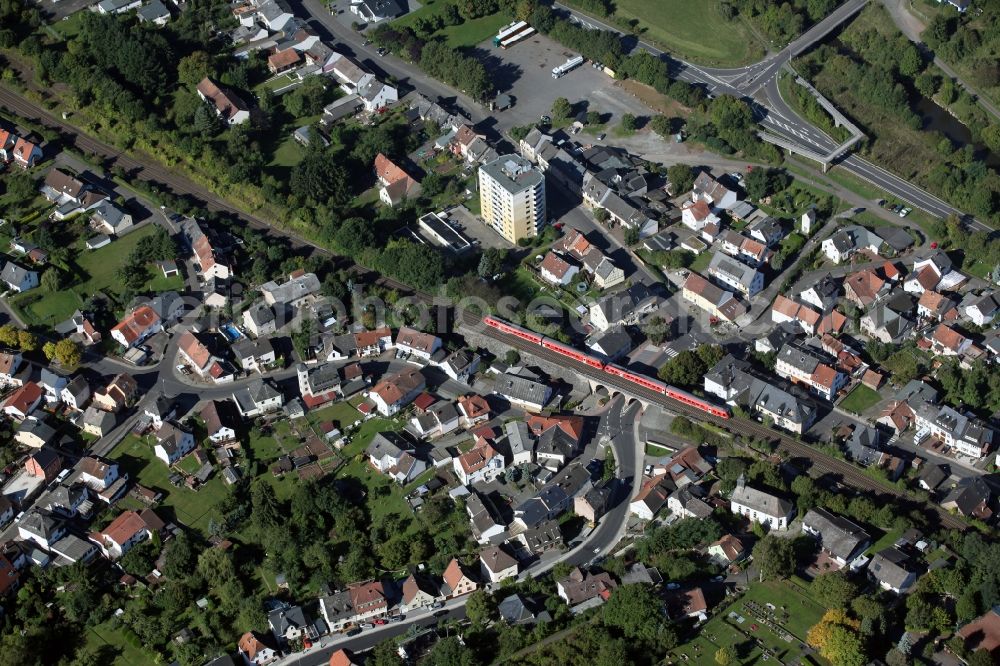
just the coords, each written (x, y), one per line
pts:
(366, 625)
(353, 631)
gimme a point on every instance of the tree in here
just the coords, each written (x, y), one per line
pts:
(8, 335)
(448, 652)
(836, 638)
(725, 656)
(27, 341)
(52, 279)
(49, 349)
(636, 611)
(512, 357)
(385, 654)
(631, 236)
(481, 607)
(834, 589)
(980, 658)
(775, 557)
(593, 118)
(68, 353)
(561, 109)
(662, 125)
(656, 329)
(266, 514)
(193, 68)
(681, 178)
(762, 183)
(491, 262)
(628, 123)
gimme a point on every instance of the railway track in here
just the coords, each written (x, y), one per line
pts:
(821, 463)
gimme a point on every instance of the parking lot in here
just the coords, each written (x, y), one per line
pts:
(525, 71)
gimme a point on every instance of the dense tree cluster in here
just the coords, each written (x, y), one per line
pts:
(780, 21)
(879, 77)
(689, 366)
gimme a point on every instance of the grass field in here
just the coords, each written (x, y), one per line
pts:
(722, 630)
(860, 399)
(97, 267)
(192, 508)
(681, 26)
(466, 34)
(701, 261)
(110, 642)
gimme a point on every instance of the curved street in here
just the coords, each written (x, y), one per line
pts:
(616, 426)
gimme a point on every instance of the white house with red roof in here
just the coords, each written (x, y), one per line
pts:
(127, 530)
(695, 215)
(22, 402)
(137, 326)
(396, 184)
(26, 154)
(394, 393)
(227, 104)
(255, 652)
(556, 270)
(202, 360)
(481, 464)
(417, 343)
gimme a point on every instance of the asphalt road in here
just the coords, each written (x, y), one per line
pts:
(758, 82)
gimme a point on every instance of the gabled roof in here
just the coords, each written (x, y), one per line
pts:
(226, 102)
(136, 323)
(454, 574)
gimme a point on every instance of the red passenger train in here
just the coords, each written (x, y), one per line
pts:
(721, 412)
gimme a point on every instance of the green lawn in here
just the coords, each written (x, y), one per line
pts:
(692, 30)
(288, 153)
(722, 630)
(466, 34)
(885, 541)
(97, 269)
(657, 450)
(860, 399)
(190, 507)
(105, 637)
(701, 261)
(342, 414)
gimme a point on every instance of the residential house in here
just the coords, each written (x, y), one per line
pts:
(652, 497)
(391, 455)
(848, 240)
(519, 443)
(373, 11)
(173, 443)
(761, 507)
(227, 104)
(461, 365)
(98, 422)
(122, 392)
(741, 277)
(221, 423)
(395, 183)
(556, 270)
(44, 464)
(416, 343)
(394, 393)
(259, 320)
(580, 587)
(970, 497)
(458, 581)
(137, 326)
(26, 153)
(154, 12)
(712, 192)
(52, 384)
(727, 550)
(623, 307)
(766, 229)
(885, 324)
(594, 503)
(522, 388)
(99, 473)
(485, 518)
(300, 289)
(841, 539)
(689, 603)
(41, 528)
(20, 404)
(983, 310)
(110, 219)
(823, 295)
(730, 381)
(689, 502)
(76, 393)
(10, 363)
(497, 565)
(934, 273)
(129, 529)
(257, 398)
(255, 652)
(419, 591)
(290, 623)
(255, 354)
(968, 435)
(946, 341)
(937, 307)
(717, 302)
(932, 476)
(200, 358)
(983, 633)
(481, 464)
(34, 433)
(17, 278)
(207, 253)
(803, 364)
(696, 215)
(888, 568)
(863, 287)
